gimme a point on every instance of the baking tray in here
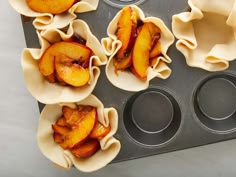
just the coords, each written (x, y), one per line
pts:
(191, 108)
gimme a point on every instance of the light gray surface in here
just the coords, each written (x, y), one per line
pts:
(21, 157)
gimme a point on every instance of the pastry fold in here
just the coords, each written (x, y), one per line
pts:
(206, 34)
(44, 21)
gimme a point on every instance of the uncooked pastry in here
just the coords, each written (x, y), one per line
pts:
(49, 93)
(207, 34)
(46, 20)
(110, 146)
(127, 80)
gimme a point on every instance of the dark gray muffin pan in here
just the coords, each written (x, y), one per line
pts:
(191, 108)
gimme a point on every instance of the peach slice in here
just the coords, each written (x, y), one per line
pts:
(140, 54)
(50, 6)
(99, 131)
(80, 133)
(74, 116)
(123, 63)
(142, 47)
(153, 61)
(67, 112)
(126, 29)
(156, 50)
(51, 78)
(62, 122)
(71, 72)
(87, 149)
(60, 129)
(59, 80)
(70, 49)
(58, 138)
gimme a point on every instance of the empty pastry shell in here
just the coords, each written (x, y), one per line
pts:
(206, 34)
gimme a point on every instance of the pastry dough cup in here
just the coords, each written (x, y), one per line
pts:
(110, 146)
(44, 21)
(50, 93)
(127, 80)
(207, 34)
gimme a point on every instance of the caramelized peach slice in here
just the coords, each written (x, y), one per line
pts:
(50, 6)
(71, 72)
(62, 122)
(123, 63)
(60, 129)
(87, 149)
(80, 133)
(74, 115)
(75, 118)
(51, 78)
(142, 47)
(58, 138)
(72, 50)
(156, 50)
(126, 29)
(153, 61)
(67, 112)
(99, 131)
(140, 54)
(59, 80)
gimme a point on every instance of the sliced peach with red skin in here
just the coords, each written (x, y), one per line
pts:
(156, 45)
(142, 47)
(80, 133)
(50, 6)
(126, 30)
(87, 149)
(72, 50)
(140, 54)
(71, 72)
(99, 131)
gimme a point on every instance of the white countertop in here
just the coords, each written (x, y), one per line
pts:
(20, 155)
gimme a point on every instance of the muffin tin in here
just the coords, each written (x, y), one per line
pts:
(191, 108)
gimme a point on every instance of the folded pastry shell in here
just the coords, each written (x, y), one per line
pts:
(49, 93)
(110, 146)
(127, 80)
(206, 34)
(44, 21)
